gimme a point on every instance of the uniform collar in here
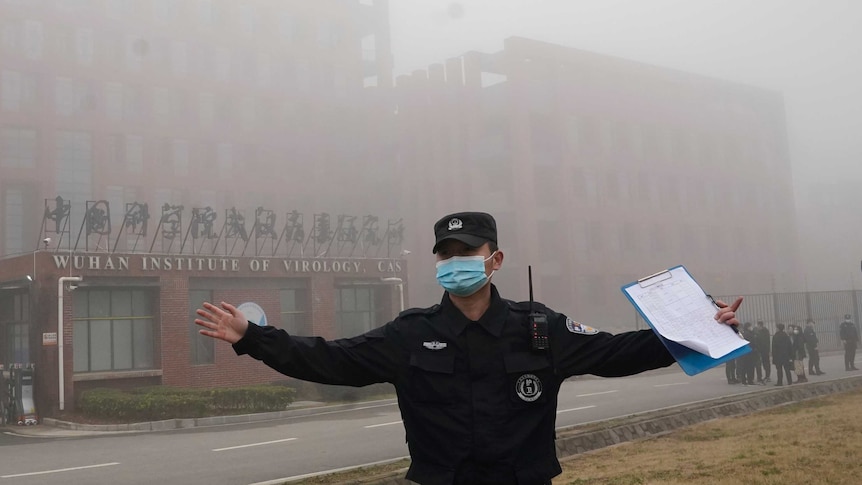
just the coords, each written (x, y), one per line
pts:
(492, 321)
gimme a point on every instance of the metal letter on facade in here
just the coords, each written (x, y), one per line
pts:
(137, 214)
(98, 217)
(203, 220)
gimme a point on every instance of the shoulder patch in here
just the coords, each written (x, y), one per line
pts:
(580, 328)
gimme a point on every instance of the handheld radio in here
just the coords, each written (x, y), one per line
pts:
(538, 321)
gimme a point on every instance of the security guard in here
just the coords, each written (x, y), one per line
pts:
(849, 338)
(477, 401)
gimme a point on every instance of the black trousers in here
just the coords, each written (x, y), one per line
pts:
(787, 367)
(849, 355)
(813, 360)
(730, 371)
(764, 359)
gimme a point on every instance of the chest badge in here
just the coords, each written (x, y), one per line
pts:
(528, 387)
(434, 345)
(576, 327)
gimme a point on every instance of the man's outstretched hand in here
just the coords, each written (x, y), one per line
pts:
(225, 323)
(727, 313)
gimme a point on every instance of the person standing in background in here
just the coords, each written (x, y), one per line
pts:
(849, 338)
(798, 354)
(809, 336)
(782, 354)
(761, 334)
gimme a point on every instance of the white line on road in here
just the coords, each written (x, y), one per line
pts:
(383, 424)
(254, 444)
(672, 384)
(280, 481)
(574, 409)
(58, 470)
(596, 393)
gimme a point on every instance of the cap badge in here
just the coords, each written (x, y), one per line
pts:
(455, 224)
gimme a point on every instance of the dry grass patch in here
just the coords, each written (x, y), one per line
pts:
(813, 442)
(818, 441)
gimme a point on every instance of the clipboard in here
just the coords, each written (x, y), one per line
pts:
(691, 361)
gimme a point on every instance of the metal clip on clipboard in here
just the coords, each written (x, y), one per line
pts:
(645, 281)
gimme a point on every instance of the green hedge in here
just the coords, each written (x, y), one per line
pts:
(157, 403)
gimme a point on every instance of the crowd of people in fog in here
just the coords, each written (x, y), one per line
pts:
(787, 350)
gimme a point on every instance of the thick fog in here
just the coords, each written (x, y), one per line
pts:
(808, 51)
(277, 104)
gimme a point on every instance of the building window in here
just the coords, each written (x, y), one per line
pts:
(369, 48)
(114, 101)
(17, 148)
(17, 90)
(163, 105)
(15, 317)
(207, 13)
(202, 347)
(206, 109)
(74, 169)
(180, 156)
(224, 159)
(264, 69)
(248, 20)
(113, 330)
(65, 99)
(248, 113)
(287, 26)
(13, 221)
(163, 11)
(134, 153)
(33, 39)
(222, 64)
(179, 58)
(327, 35)
(356, 310)
(294, 308)
(84, 46)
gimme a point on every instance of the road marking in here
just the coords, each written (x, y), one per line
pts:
(596, 393)
(574, 409)
(254, 444)
(59, 470)
(280, 481)
(383, 424)
(672, 384)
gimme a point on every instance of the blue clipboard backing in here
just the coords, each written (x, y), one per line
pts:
(691, 361)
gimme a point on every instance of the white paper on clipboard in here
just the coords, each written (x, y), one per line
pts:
(679, 310)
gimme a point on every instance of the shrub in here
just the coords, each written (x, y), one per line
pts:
(157, 403)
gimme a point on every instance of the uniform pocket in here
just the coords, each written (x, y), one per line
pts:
(432, 378)
(529, 378)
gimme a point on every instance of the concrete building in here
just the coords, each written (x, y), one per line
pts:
(189, 111)
(186, 102)
(600, 171)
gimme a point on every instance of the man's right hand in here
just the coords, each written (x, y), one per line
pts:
(225, 323)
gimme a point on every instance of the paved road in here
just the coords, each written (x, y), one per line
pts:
(293, 447)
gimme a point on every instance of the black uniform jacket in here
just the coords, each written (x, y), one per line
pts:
(478, 405)
(782, 348)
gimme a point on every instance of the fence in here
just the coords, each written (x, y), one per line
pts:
(826, 308)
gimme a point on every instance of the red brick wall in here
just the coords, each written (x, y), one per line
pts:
(172, 353)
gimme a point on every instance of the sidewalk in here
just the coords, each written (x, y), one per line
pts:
(54, 428)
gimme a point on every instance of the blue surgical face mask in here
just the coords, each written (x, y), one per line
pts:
(463, 275)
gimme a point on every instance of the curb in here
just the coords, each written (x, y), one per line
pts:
(303, 409)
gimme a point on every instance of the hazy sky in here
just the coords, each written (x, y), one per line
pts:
(811, 51)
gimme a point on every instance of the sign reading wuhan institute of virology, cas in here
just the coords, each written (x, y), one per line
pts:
(214, 264)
